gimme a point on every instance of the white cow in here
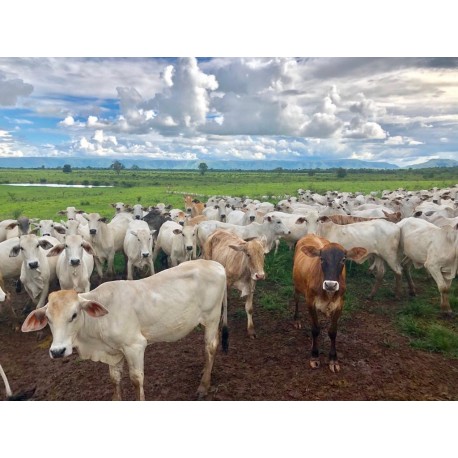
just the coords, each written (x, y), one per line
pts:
(435, 249)
(36, 270)
(270, 230)
(74, 264)
(138, 247)
(49, 227)
(116, 321)
(74, 214)
(379, 237)
(242, 218)
(179, 243)
(8, 229)
(102, 240)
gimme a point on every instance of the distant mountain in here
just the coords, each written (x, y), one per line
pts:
(435, 163)
(144, 163)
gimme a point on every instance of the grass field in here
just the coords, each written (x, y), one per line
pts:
(151, 186)
(417, 318)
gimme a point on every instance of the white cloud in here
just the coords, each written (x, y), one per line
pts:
(68, 121)
(12, 89)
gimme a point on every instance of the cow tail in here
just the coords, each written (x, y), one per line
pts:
(5, 381)
(225, 331)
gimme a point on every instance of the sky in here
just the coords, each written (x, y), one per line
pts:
(401, 110)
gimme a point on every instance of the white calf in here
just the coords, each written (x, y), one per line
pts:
(138, 247)
(74, 264)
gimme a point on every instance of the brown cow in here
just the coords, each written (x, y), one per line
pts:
(319, 275)
(193, 207)
(244, 264)
(350, 219)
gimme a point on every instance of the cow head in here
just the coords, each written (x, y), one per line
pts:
(332, 258)
(63, 313)
(73, 246)
(94, 222)
(145, 241)
(29, 246)
(254, 256)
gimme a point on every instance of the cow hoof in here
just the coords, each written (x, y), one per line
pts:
(447, 315)
(252, 334)
(314, 363)
(297, 325)
(334, 366)
(201, 395)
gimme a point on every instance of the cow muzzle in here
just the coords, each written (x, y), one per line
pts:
(145, 254)
(331, 286)
(75, 262)
(189, 248)
(92, 231)
(259, 276)
(252, 218)
(137, 216)
(33, 265)
(57, 352)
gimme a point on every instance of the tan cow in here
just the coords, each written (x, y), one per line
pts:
(244, 264)
(319, 275)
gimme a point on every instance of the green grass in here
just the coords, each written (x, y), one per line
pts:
(418, 318)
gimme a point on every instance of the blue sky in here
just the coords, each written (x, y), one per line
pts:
(399, 110)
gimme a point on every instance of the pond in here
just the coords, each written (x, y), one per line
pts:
(55, 185)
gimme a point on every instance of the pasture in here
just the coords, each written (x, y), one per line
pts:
(388, 349)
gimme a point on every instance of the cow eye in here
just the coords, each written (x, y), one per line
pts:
(73, 317)
(66, 246)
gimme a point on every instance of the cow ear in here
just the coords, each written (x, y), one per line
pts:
(56, 250)
(324, 219)
(92, 308)
(268, 218)
(177, 231)
(35, 320)
(133, 233)
(60, 229)
(103, 220)
(301, 220)
(85, 216)
(80, 211)
(62, 212)
(238, 247)
(89, 248)
(417, 214)
(11, 226)
(45, 244)
(15, 251)
(113, 205)
(310, 251)
(356, 254)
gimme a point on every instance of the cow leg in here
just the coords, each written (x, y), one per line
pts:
(443, 287)
(211, 345)
(110, 268)
(249, 313)
(332, 332)
(99, 267)
(116, 375)
(315, 355)
(43, 295)
(379, 272)
(130, 275)
(135, 355)
(406, 269)
(297, 323)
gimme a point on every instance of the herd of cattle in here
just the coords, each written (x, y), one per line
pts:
(208, 248)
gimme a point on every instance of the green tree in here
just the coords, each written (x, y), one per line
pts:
(203, 167)
(341, 172)
(67, 168)
(117, 167)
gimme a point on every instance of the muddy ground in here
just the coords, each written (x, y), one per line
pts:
(377, 363)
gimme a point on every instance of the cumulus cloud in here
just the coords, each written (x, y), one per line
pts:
(12, 89)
